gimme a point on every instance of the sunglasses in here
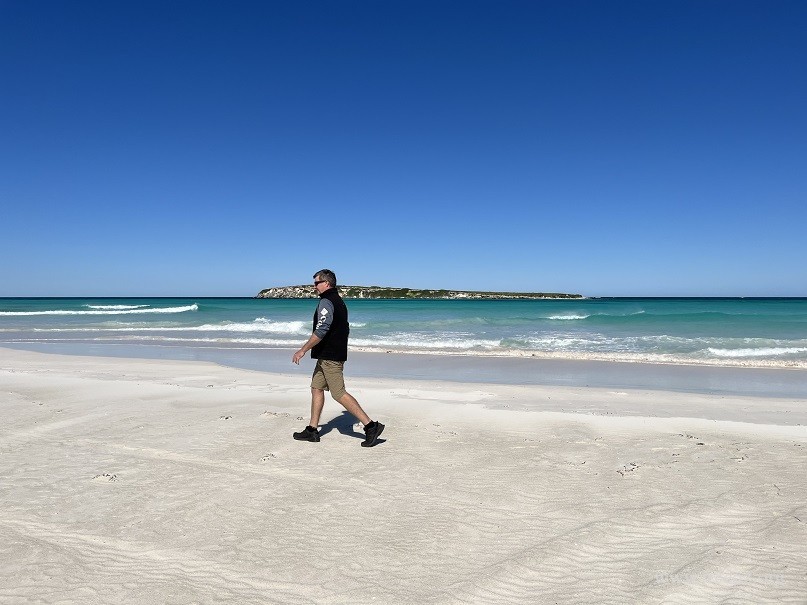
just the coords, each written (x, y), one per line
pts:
(316, 283)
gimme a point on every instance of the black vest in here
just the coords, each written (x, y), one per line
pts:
(334, 345)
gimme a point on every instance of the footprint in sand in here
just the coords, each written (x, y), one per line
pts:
(268, 457)
(224, 417)
(275, 414)
(105, 477)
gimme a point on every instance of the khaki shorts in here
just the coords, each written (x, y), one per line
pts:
(328, 376)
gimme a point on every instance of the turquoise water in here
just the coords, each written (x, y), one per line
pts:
(763, 332)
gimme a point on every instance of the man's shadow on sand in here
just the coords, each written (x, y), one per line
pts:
(344, 424)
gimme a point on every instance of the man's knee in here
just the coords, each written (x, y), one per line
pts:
(317, 393)
(337, 395)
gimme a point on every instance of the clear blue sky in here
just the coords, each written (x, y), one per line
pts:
(216, 148)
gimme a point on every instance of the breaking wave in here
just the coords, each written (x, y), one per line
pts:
(761, 352)
(114, 307)
(193, 307)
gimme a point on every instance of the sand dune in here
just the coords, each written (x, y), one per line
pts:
(136, 481)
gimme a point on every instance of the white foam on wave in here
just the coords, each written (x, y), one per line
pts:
(219, 341)
(761, 352)
(115, 307)
(555, 342)
(431, 343)
(260, 325)
(267, 325)
(581, 316)
(193, 307)
(158, 340)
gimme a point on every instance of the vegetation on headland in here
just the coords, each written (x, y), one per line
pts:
(306, 291)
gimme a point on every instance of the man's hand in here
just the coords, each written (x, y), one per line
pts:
(313, 340)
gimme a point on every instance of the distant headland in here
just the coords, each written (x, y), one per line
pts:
(306, 291)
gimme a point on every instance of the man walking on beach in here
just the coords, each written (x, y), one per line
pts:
(328, 345)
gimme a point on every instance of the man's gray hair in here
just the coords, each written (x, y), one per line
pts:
(326, 275)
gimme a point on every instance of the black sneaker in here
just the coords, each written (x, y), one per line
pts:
(309, 433)
(372, 430)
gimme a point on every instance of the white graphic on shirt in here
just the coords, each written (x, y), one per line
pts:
(324, 323)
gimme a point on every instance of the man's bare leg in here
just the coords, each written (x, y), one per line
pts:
(351, 405)
(317, 403)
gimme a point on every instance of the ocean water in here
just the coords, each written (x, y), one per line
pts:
(763, 332)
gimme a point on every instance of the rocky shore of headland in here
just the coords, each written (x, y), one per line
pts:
(306, 291)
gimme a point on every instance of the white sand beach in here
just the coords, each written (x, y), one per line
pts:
(150, 481)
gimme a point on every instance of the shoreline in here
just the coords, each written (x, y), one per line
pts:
(629, 358)
(645, 358)
(154, 480)
(526, 370)
(652, 401)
